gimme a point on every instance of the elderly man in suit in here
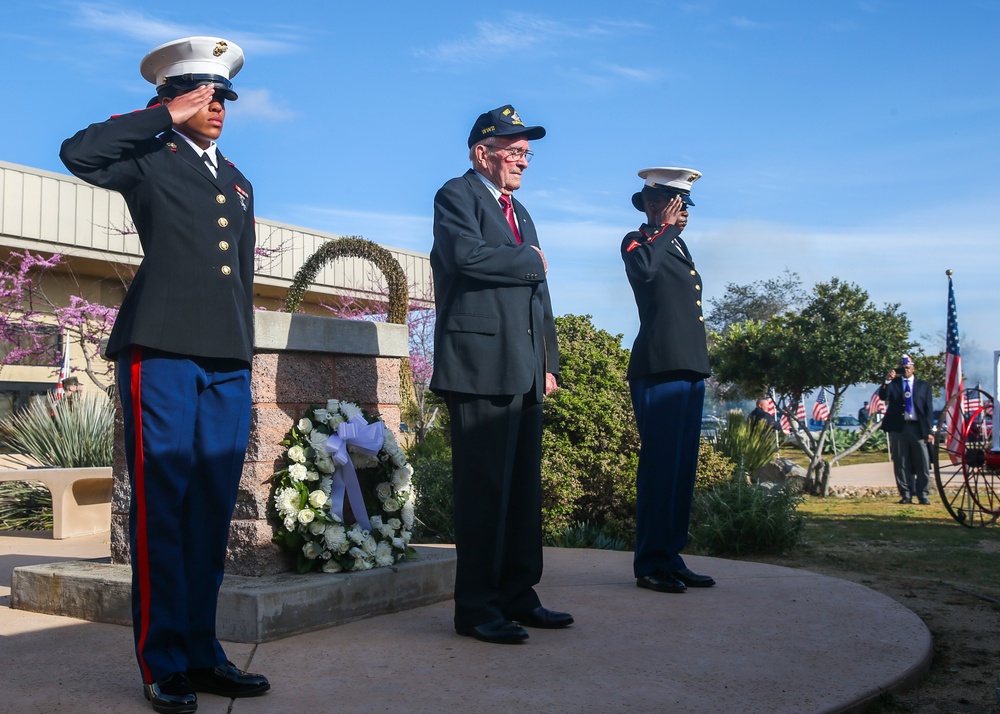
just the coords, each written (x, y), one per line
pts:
(495, 357)
(183, 341)
(908, 420)
(666, 374)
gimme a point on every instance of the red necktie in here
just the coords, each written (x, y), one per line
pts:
(508, 211)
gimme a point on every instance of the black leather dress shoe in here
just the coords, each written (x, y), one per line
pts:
(544, 618)
(906, 499)
(692, 579)
(227, 681)
(174, 694)
(661, 583)
(925, 501)
(498, 632)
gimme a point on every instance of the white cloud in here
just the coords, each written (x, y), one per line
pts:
(259, 104)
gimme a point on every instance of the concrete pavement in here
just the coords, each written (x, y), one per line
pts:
(765, 639)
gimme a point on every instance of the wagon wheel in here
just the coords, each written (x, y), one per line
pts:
(968, 479)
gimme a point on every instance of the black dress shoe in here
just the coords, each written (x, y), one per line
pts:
(925, 501)
(544, 618)
(227, 681)
(692, 579)
(174, 694)
(498, 632)
(661, 583)
(906, 499)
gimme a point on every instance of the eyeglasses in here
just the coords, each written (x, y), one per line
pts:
(515, 155)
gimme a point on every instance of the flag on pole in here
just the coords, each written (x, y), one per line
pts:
(786, 425)
(821, 412)
(769, 407)
(64, 370)
(953, 379)
(800, 411)
(875, 405)
(972, 400)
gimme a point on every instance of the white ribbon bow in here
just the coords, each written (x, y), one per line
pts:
(366, 438)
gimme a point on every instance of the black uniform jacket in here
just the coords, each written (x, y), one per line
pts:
(668, 293)
(193, 292)
(892, 394)
(495, 334)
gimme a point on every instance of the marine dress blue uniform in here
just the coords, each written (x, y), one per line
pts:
(667, 368)
(183, 340)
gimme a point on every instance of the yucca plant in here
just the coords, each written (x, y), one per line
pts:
(74, 432)
(748, 444)
(25, 506)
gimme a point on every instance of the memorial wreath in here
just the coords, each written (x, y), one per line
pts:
(345, 498)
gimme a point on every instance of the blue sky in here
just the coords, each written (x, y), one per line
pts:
(851, 139)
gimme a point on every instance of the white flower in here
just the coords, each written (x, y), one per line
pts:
(386, 530)
(324, 464)
(357, 535)
(390, 505)
(326, 555)
(318, 499)
(311, 550)
(297, 454)
(362, 564)
(326, 484)
(304, 426)
(317, 527)
(401, 478)
(335, 538)
(306, 515)
(390, 441)
(376, 522)
(398, 544)
(332, 406)
(317, 439)
(407, 514)
(297, 472)
(370, 545)
(383, 554)
(332, 566)
(394, 523)
(383, 491)
(288, 501)
(291, 521)
(312, 476)
(405, 537)
(363, 461)
(321, 415)
(335, 421)
(399, 459)
(350, 410)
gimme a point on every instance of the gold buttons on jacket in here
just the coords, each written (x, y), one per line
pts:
(223, 222)
(226, 270)
(697, 287)
(694, 272)
(698, 303)
(220, 198)
(224, 245)
(701, 318)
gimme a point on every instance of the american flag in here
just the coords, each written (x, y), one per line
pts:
(786, 426)
(972, 400)
(800, 411)
(64, 370)
(953, 378)
(821, 412)
(769, 407)
(875, 405)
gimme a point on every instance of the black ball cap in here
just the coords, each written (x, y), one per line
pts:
(502, 121)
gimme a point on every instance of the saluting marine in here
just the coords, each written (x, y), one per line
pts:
(666, 374)
(183, 340)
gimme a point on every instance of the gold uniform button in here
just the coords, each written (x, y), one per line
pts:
(698, 303)
(697, 287)
(220, 198)
(694, 272)
(701, 318)
(224, 245)
(226, 270)
(223, 222)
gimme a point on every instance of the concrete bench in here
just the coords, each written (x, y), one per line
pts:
(81, 498)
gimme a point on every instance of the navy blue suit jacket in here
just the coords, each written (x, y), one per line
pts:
(495, 333)
(892, 394)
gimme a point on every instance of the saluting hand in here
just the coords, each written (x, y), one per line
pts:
(671, 213)
(187, 105)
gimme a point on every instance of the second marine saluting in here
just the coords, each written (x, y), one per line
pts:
(666, 374)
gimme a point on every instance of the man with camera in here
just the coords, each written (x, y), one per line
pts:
(908, 421)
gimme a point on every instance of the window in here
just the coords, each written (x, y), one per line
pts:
(39, 346)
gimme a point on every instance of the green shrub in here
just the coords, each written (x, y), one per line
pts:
(585, 535)
(434, 509)
(739, 518)
(25, 506)
(713, 467)
(749, 444)
(74, 432)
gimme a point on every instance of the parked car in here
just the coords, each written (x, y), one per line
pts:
(850, 423)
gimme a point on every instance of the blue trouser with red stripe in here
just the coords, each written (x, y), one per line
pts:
(668, 415)
(187, 423)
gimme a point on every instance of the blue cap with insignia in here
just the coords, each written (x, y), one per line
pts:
(905, 361)
(502, 121)
(669, 180)
(184, 65)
